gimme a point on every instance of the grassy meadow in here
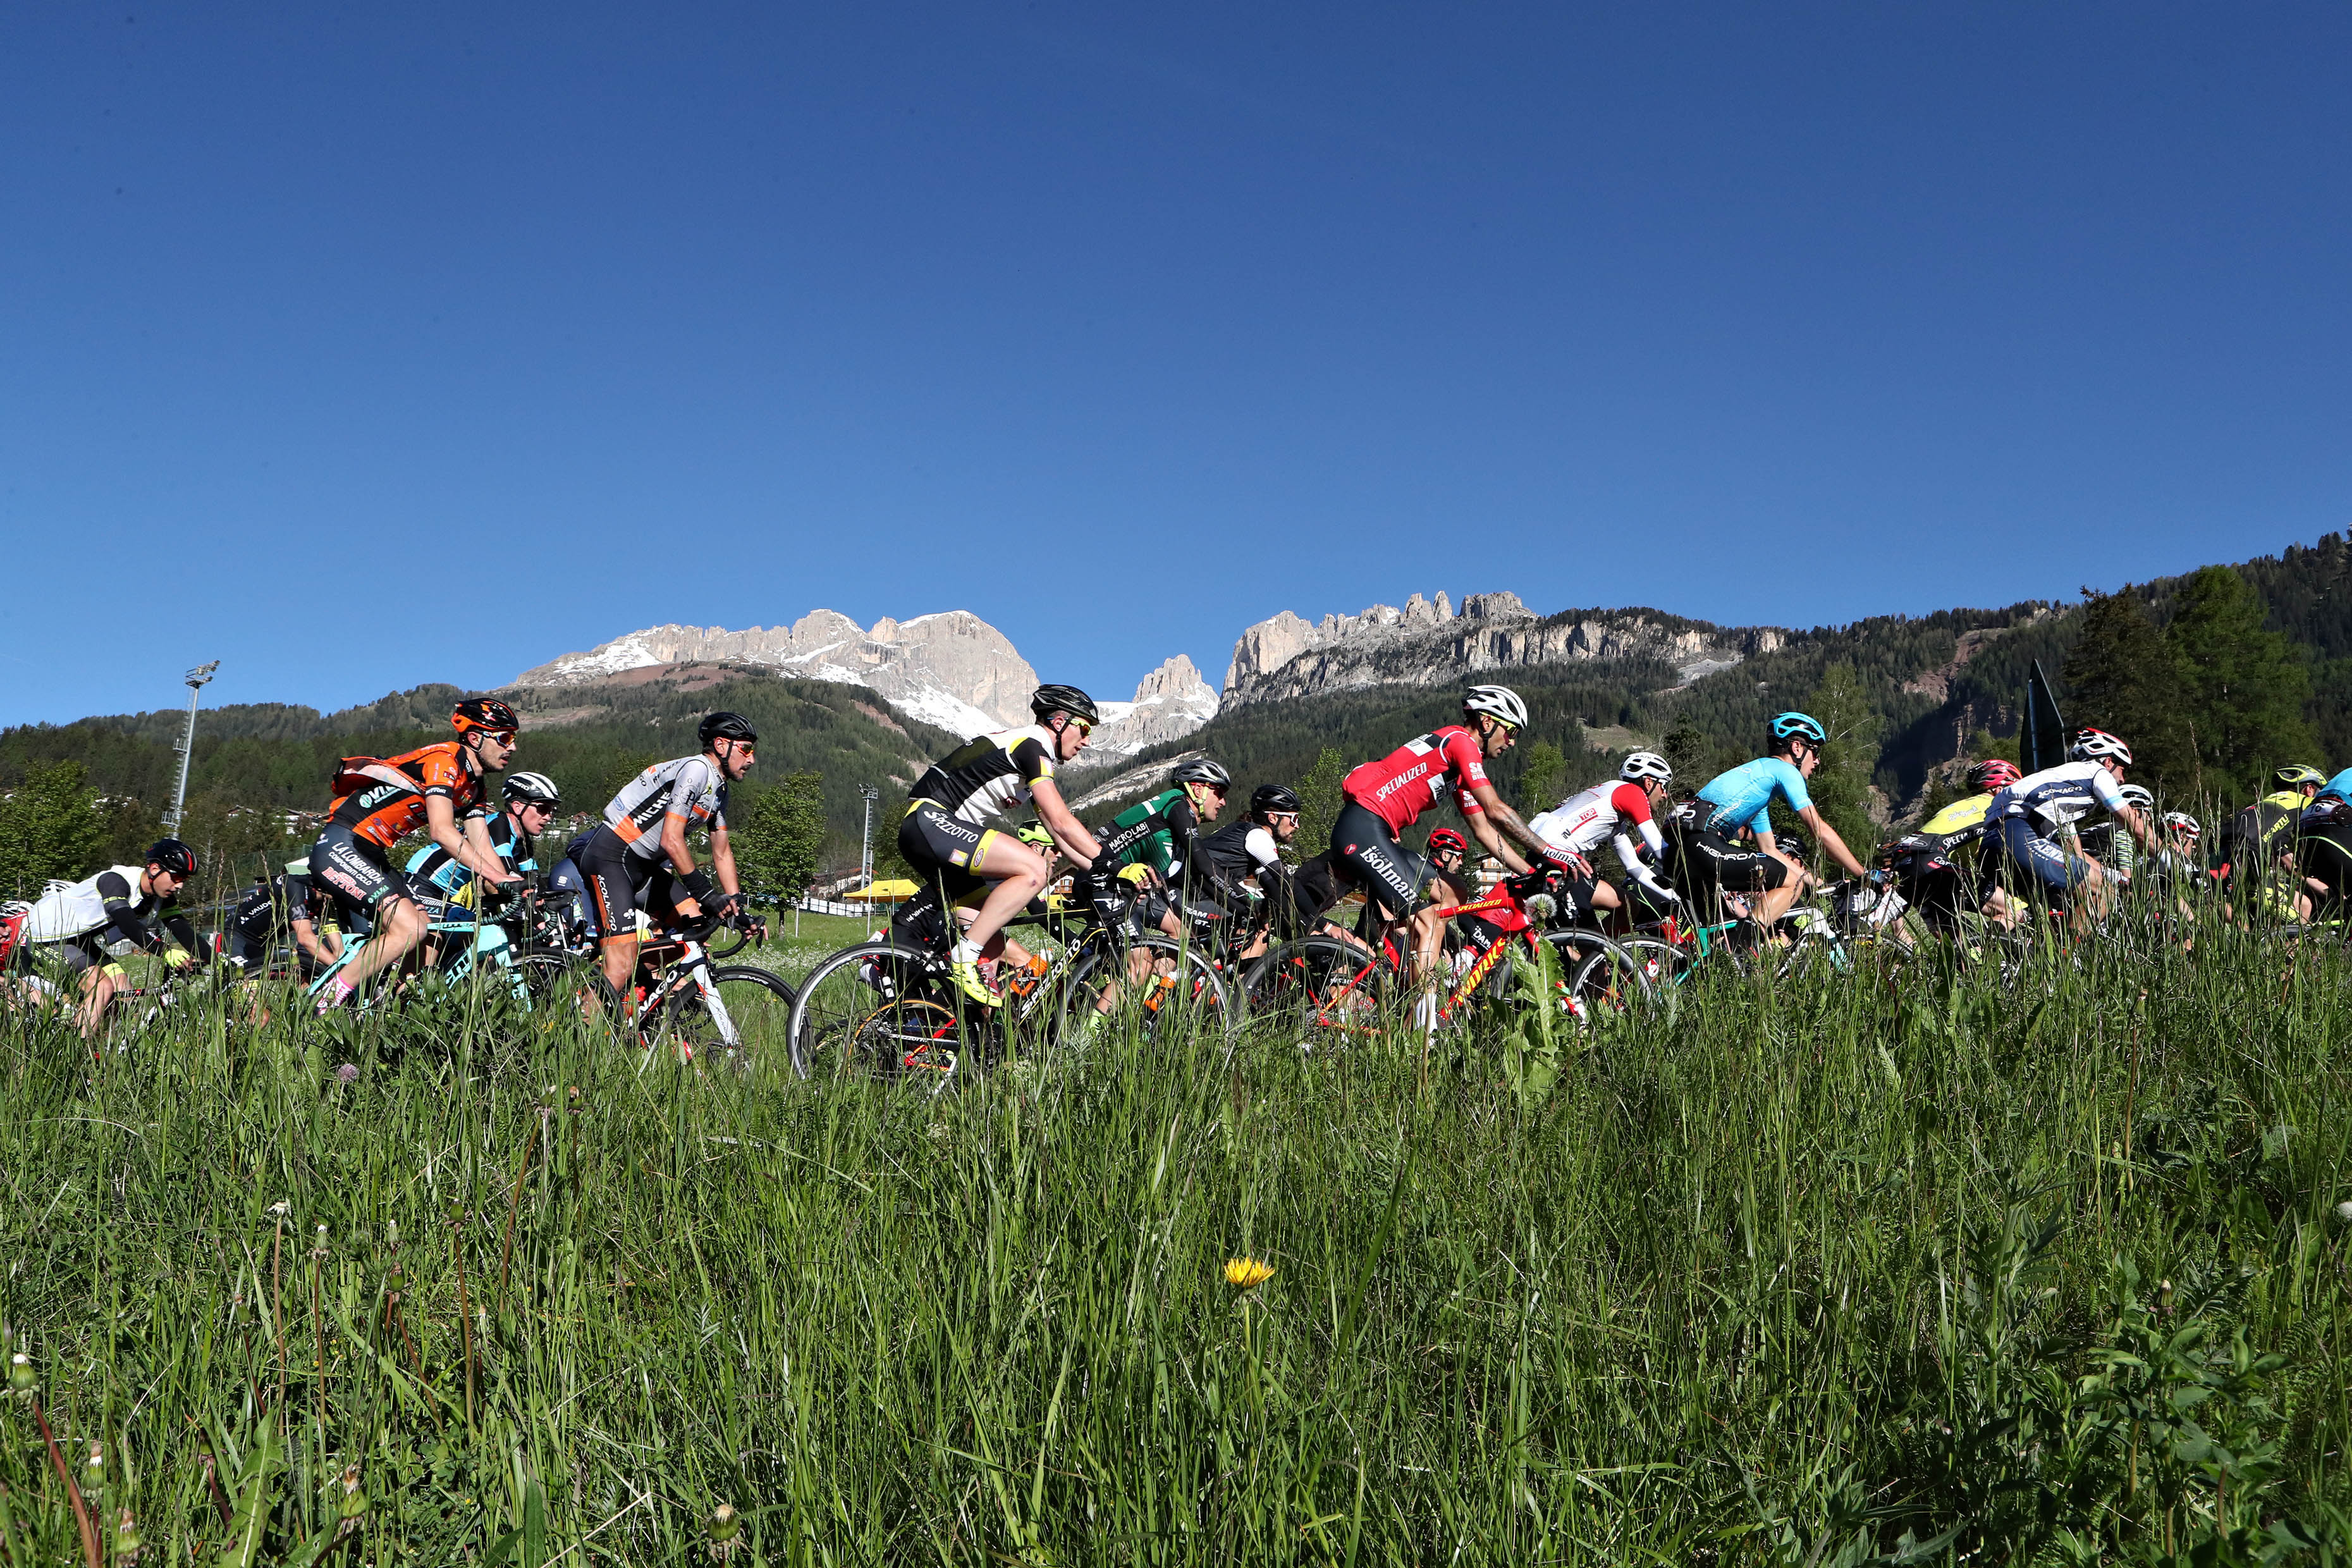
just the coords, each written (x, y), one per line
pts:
(1811, 1273)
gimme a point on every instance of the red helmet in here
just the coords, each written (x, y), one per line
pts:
(1445, 839)
(484, 713)
(1992, 773)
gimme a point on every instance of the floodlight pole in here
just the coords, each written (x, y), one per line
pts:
(195, 679)
(866, 838)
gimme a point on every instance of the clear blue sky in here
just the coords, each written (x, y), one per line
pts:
(361, 346)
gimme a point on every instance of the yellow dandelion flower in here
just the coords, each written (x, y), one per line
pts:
(1247, 1273)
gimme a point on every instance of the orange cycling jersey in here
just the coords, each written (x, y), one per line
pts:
(382, 800)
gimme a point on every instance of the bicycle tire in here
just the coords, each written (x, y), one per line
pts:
(1320, 983)
(1604, 979)
(1186, 1005)
(757, 1008)
(871, 1011)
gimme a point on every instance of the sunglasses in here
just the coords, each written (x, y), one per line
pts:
(1084, 727)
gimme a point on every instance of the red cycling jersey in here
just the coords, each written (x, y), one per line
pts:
(1407, 782)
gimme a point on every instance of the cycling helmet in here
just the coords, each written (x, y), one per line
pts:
(2181, 822)
(1274, 798)
(2092, 744)
(172, 855)
(1445, 839)
(1993, 774)
(1646, 765)
(724, 726)
(2294, 775)
(1495, 702)
(1201, 771)
(484, 713)
(1033, 834)
(1798, 727)
(533, 789)
(2138, 799)
(1050, 699)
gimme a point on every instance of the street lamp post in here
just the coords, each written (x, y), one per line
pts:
(866, 838)
(195, 679)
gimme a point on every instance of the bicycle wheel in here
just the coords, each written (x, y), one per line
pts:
(1179, 997)
(877, 1010)
(743, 1018)
(1325, 988)
(1603, 980)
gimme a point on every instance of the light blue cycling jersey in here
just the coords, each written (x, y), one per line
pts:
(2340, 786)
(1742, 798)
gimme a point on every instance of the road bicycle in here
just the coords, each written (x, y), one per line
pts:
(889, 1010)
(1335, 990)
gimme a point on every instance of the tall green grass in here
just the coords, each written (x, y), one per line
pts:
(2049, 1269)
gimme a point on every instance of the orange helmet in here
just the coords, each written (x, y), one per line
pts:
(484, 713)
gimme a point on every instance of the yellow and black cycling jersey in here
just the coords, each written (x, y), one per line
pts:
(987, 774)
(1960, 816)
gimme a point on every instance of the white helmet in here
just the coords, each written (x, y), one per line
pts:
(1497, 703)
(533, 789)
(2137, 798)
(2092, 744)
(1646, 765)
(2181, 822)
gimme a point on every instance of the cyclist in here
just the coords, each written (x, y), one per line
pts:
(2113, 850)
(71, 927)
(1936, 863)
(942, 836)
(290, 904)
(2256, 848)
(532, 801)
(1380, 800)
(1741, 800)
(2029, 815)
(1249, 851)
(1162, 835)
(639, 859)
(1614, 810)
(381, 801)
(2323, 858)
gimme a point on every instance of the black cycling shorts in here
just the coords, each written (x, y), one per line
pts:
(355, 871)
(620, 884)
(1367, 854)
(942, 848)
(1733, 870)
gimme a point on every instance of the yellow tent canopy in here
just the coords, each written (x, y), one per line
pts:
(897, 891)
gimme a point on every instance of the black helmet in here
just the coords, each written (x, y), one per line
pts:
(172, 855)
(1050, 699)
(724, 726)
(1201, 770)
(1273, 798)
(484, 713)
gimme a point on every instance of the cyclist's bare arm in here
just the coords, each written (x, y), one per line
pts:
(441, 822)
(1495, 823)
(1070, 834)
(1827, 837)
(722, 860)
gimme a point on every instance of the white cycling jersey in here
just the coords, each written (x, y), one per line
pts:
(70, 909)
(1580, 822)
(691, 787)
(2056, 796)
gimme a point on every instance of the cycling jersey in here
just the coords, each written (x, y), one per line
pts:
(436, 868)
(76, 921)
(987, 774)
(2056, 796)
(1159, 833)
(1582, 821)
(381, 800)
(691, 788)
(1743, 798)
(1410, 780)
(2340, 786)
(1961, 816)
(1241, 849)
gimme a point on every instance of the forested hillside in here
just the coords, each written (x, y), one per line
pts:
(255, 763)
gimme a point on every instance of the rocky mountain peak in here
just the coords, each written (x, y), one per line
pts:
(1172, 702)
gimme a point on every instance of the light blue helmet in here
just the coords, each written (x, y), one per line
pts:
(1801, 727)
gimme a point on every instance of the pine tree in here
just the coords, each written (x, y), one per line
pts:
(1319, 802)
(49, 826)
(2121, 678)
(782, 838)
(1539, 781)
(2242, 685)
(1841, 785)
(1687, 752)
